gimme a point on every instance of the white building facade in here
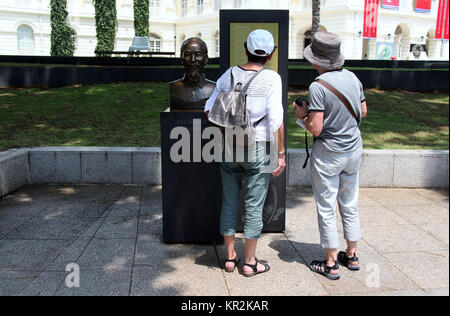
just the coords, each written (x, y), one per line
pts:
(25, 26)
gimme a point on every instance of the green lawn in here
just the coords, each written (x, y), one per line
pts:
(127, 114)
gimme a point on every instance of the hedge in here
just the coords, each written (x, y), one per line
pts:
(62, 36)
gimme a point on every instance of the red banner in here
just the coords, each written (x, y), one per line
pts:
(442, 20)
(390, 4)
(371, 18)
(423, 6)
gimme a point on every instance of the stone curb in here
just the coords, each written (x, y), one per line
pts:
(142, 166)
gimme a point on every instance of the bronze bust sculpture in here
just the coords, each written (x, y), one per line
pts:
(192, 91)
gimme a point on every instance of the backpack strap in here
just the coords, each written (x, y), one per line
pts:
(232, 78)
(244, 90)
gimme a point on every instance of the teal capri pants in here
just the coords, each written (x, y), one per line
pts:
(251, 176)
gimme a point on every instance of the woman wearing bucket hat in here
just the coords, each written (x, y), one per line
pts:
(263, 89)
(337, 106)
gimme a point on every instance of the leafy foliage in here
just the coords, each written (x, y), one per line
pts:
(62, 36)
(106, 24)
(141, 17)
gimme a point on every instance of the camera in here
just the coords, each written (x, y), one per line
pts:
(300, 101)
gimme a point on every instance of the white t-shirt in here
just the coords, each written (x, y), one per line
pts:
(264, 97)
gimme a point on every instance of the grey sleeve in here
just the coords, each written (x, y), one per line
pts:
(316, 98)
(361, 89)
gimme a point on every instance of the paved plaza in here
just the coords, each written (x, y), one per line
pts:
(113, 234)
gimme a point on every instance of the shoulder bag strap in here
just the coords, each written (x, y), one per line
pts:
(340, 97)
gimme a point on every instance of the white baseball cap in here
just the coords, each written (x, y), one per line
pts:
(260, 43)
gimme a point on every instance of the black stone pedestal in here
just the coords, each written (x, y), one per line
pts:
(192, 191)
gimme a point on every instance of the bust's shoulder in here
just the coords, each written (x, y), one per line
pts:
(176, 83)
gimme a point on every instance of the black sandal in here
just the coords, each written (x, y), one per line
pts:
(235, 261)
(255, 268)
(345, 261)
(318, 266)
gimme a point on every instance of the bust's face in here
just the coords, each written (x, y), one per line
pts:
(194, 59)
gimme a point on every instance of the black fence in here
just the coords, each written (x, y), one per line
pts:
(52, 72)
(163, 61)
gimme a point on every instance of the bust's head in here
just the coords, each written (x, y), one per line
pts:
(194, 55)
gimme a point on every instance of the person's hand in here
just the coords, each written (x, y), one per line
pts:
(281, 165)
(207, 114)
(300, 111)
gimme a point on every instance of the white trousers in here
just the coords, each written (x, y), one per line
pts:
(335, 177)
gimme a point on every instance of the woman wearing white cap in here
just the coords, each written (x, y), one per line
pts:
(264, 104)
(337, 106)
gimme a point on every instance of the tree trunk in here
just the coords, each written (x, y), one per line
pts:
(315, 16)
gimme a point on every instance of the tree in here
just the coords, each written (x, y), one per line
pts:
(106, 25)
(315, 16)
(141, 17)
(62, 35)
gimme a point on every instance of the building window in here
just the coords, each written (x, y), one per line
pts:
(184, 7)
(155, 43)
(200, 6)
(154, 7)
(25, 37)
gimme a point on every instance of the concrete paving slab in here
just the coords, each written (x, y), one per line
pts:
(150, 226)
(423, 214)
(151, 203)
(437, 292)
(73, 208)
(378, 216)
(93, 228)
(99, 283)
(24, 207)
(166, 273)
(82, 192)
(30, 255)
(13, 282)
(401, 238)
(108, 255)
(435, 195)
(376, 274)
(288, 275)
(51, 228)
(129, 203)
(43, 192)
(10, 223)
(397, 197)
(438, 231)
(365, 199)
(45, 284)
(399, 226)
(69, 256)
(118, 227)
(428, 269)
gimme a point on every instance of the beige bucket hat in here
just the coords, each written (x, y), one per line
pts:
(325, 51)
